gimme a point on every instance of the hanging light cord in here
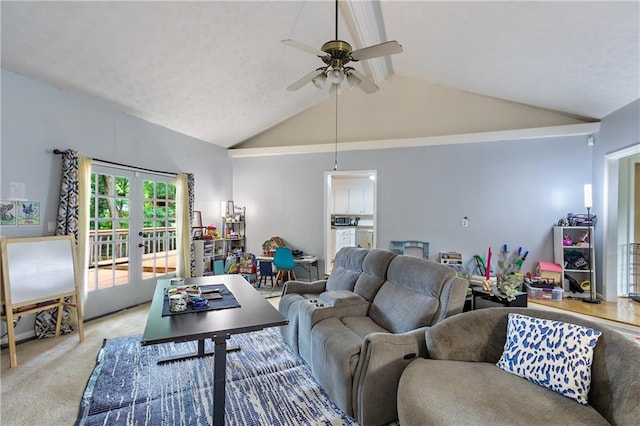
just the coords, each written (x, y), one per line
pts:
(335, 160)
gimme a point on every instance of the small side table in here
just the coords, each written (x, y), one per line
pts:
(481, 299)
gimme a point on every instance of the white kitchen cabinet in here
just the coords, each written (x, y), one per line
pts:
(356, 200)
(341, 200)
(367, 199)
(353, 198)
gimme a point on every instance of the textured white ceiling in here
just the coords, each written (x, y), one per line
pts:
(217, 71)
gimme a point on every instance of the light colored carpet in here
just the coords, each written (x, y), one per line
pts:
(269, 292)
(47, 385)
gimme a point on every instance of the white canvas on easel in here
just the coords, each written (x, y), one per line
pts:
(38, 274)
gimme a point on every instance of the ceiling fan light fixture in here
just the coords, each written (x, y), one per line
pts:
(352, 80)
(336, 54)
(319, 81)
(336, 75)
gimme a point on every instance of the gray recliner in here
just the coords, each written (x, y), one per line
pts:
(347, 268)
(465, 387)
(358, 349)
(342, 303)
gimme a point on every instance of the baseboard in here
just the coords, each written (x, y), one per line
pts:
(27, 335)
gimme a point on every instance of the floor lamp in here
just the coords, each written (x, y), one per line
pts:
(588, 203)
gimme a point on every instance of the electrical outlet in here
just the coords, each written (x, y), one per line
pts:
(464, 222)
(51, 226)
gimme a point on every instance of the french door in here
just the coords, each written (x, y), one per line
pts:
(132, 237)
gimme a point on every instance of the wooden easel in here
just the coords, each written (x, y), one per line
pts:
(38, 274)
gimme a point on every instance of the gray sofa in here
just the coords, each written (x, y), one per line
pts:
(465, 387)
(358, 330)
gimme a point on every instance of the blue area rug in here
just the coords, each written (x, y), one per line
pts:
(267, 384)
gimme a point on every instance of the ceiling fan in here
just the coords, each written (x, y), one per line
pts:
(336, 54)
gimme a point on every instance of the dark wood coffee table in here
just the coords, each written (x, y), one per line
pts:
(254, 313)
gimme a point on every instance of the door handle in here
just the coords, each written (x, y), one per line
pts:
(140, 245)
(140, 234)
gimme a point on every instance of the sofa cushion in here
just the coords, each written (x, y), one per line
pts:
(477, 393)
(410, 297)
(549, 353)
(374, 273)
(346, 269)
(335, 350)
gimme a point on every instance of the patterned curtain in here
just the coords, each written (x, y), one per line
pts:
(67, 224)
(185, 198)
(191, 191)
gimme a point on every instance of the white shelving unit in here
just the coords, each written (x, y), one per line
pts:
(203, 252)
(569, 257)
(233, 228)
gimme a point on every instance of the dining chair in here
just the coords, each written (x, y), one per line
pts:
(283, 261)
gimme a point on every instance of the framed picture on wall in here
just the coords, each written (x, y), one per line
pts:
(196, 224)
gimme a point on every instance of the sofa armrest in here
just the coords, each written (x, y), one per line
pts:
(340, 298)
(315, 310)
(304, 287)
(473, 336)
(383, 358)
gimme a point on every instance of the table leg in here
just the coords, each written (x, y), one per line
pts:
(199, 354)
(219, 378)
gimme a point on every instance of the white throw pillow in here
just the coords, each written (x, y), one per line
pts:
(553, 354)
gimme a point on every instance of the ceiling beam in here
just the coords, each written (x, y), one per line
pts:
(364, 21)
(501, 135)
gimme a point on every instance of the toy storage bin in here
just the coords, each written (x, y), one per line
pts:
(545, 293)
(534, 292)
(557, 294)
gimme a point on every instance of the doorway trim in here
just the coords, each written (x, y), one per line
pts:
(614, 258)
(328, 206)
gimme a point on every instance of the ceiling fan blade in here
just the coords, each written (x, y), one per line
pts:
(365, 84)
(304, 47)
(304, 80)
(383, 49)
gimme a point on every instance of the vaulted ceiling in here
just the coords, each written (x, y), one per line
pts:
(217, 71)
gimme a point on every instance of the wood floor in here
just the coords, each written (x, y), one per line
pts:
(625, 311)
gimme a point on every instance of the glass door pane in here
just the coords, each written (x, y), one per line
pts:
(132, 238)
(158, 235)
(109, 231)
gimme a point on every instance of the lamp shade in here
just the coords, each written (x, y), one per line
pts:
(336, 75)
(588, 199)
(319, 81)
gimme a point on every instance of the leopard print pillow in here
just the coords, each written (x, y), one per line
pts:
(553, 354)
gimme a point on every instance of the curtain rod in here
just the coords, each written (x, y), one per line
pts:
(113, 163)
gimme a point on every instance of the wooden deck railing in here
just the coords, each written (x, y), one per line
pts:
(112, 246)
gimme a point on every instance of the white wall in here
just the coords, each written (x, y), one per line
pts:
(405, 108)
(512, 192)
(620, 131)
(37, 118)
